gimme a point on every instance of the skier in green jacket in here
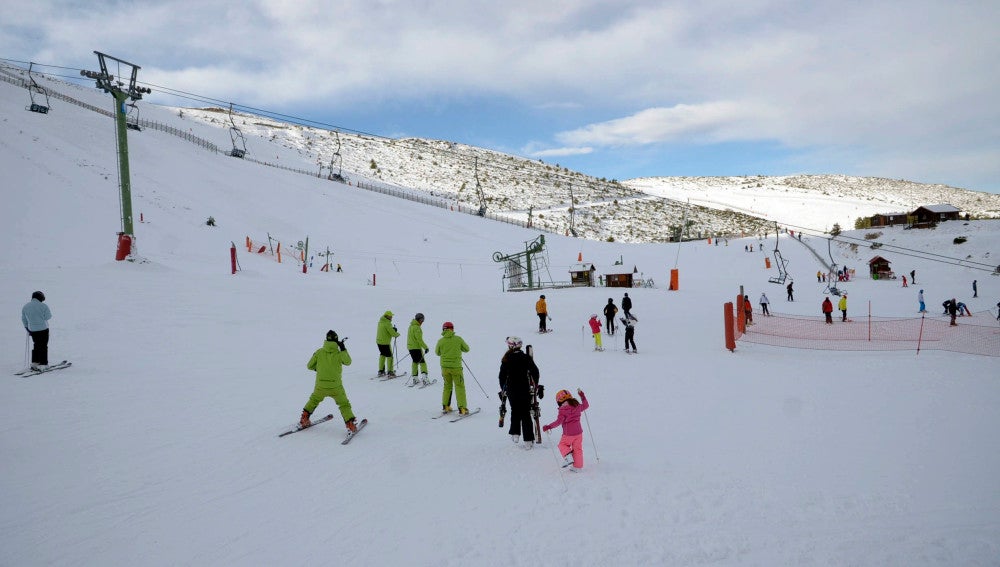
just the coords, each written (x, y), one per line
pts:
(450, 348)
(418, 348)
(386, 332)
(328, 362)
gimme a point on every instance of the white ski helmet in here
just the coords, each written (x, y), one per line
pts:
(514, 342)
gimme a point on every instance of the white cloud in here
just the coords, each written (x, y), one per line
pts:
(886, 77)
(560, 152)
(714, 121)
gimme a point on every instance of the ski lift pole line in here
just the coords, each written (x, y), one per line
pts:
(591, 434)
(680, 234)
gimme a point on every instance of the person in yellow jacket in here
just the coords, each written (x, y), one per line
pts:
(418, 348)
(383, 337)
(450, 348)
(542, 310)
(328, 362)
(842, 305)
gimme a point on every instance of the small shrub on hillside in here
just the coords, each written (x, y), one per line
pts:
(872, 235)
(959, 239)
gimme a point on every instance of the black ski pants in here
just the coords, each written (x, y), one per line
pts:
(541, 321)
(630, 337)
(40, 348)
(610, 327)
(520, 419)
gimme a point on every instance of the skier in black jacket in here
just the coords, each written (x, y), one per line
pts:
(609, 315)
(627, 306)
(517, 371)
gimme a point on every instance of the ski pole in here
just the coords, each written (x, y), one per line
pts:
(591, 433)
(27, 339)
(556, 457)
(474, 378)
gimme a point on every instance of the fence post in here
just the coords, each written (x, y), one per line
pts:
(727, 319)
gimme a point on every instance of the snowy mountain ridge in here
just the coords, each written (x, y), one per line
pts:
(553, 197)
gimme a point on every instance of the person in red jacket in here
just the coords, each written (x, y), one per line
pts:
(595, 329)
(572, 436)
(828, 310)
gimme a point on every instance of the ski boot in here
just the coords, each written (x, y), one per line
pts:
(304, 420)
(381, 374)
(515, 438)
(352, 425)
(463, 411)
(415, 382)
(445, 409)
(391, 374)
(424, 379)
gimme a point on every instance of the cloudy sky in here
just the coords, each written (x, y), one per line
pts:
(631, 88)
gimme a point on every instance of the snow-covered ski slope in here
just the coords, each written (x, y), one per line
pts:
(159, 446)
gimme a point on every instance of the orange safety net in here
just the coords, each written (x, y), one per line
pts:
(976, 334)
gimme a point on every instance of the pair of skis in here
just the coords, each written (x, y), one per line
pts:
(328, 417)
(31, 372)
(459, 417)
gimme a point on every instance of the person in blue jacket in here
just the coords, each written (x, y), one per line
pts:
(35, 317)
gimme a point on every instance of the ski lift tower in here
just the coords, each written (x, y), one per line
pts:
(33, 88)
(114, 84)
(572, 211)
(479, 191)
(529, 263)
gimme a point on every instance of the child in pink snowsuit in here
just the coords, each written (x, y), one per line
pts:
(595, 328)
(569, 418)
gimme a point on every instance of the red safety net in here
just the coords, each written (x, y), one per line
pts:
(975, 334)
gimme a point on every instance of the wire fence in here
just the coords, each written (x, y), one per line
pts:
(975, 334)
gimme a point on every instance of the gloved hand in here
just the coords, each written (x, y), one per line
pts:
(426, 350)
(541, 391)
(579, 391)
(545, 428)
(394, 328)
(341, 345)
(502, 394)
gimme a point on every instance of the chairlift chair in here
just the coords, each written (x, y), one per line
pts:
(338, 159)
(33, 89)
(132, 117)
(239, 142)
(779, 260)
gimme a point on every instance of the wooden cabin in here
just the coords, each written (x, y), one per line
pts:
(879, 269)
(618, 280)
(888, 219)
(931, 214)
(582, 274)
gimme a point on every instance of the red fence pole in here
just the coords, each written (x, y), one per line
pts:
(232, 257)
(727, 317)
(921, 335)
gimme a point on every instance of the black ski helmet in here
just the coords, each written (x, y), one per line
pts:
(331, 335)
(38, 295)
(419, 317)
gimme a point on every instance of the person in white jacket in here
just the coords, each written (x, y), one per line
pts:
(35, 317)
(764, 303)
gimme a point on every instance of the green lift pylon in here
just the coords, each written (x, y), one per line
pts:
(111, 83)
